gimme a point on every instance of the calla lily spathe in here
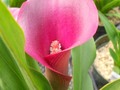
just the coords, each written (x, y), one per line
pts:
(71, 22)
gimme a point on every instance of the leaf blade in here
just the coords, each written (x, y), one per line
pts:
(82, 61)
(115, 85)
(9, 68)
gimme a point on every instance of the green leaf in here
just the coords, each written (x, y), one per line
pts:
(110, 5)
(10, 76)
(114, 55)
(32, 63)
(13, 37)
(40, 80)
(101, 3)
(88, 83)
(10, 29)
(106, 1)
(116, 69)
(111, 30)
(13, 3)
(83, 57)
(1, 85)
(115, 85)
(13, 41)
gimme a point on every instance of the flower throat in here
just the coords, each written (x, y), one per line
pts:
(55, 47)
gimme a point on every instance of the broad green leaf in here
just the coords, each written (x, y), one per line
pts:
(13, 38)
(10, 29)
(83, 57)
(32, 63)
(10, 76)
(88, 83)
(13, 3)
(115, 85)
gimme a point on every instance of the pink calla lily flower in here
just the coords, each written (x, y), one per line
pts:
(70, 22)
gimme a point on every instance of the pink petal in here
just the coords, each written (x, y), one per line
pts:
(68, 21)
(59, 62)
(14, 12)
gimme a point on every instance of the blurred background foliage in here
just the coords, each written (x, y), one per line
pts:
(13, 3)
